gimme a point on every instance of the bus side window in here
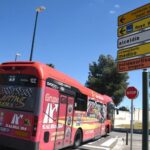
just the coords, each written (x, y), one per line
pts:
(100, 118)
(101, 113)
(81, 102)
(92, 110)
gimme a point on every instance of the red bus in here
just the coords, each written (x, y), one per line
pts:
(44, 109)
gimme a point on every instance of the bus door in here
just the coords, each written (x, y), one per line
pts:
(65, 121)
(49, 123)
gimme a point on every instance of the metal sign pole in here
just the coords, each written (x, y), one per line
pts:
(131, 93)
(145, 111)
(131, 124)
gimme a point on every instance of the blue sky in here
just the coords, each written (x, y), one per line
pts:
(71, 34)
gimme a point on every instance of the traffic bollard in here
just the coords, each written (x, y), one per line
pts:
(127, 137)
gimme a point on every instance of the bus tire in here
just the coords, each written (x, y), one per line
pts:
(107, 130)
(78, 138)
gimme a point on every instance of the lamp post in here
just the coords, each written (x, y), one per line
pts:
(17, 55)
(39, 9)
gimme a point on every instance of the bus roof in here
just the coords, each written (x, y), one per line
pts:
(45, 71)
(107, 98)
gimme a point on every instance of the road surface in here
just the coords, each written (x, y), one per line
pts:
(113, 140)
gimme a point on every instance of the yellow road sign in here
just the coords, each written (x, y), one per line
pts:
(134, 14)
(133, 27)
(133, 51)
(134, 64)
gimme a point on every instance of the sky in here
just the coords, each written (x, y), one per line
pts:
(70, 34)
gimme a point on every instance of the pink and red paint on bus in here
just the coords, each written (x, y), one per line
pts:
(42, 108)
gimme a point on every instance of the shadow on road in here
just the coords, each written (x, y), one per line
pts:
(80, 148)
(68, 148)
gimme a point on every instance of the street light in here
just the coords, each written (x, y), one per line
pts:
(39, 9)
(17, 55)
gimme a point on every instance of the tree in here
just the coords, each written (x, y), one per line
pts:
(104, 78)
(51, 65)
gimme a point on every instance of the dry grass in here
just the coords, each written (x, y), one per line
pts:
(135, 126)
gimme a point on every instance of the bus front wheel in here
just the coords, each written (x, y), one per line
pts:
(78, 138)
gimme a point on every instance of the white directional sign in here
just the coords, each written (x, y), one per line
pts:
(137, 38)
(134, 39)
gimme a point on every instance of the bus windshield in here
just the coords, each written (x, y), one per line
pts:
(18, 91)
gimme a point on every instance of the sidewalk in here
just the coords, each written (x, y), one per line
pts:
(136, 142)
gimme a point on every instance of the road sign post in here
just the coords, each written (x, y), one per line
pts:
(133, 54)
(131, 93)
(145, 111)
(131, 125)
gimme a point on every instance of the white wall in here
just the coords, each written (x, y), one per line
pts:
(124, 117)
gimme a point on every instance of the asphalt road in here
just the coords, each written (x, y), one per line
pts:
(114, 141)
(104, 143)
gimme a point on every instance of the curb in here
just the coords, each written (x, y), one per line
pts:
(137, 131)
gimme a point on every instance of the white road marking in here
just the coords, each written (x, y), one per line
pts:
(92, 142)
(109, 142)
(119, 144)
(96, 147)
(96, 141)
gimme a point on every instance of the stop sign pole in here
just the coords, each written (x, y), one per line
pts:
(131, 93)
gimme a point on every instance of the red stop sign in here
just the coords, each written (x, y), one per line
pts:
(131, 92)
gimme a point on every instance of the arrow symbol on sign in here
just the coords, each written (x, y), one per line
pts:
(122, 19)
(122, 30)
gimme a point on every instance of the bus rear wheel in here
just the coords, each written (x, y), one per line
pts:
(107, 130)
(78, 139)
